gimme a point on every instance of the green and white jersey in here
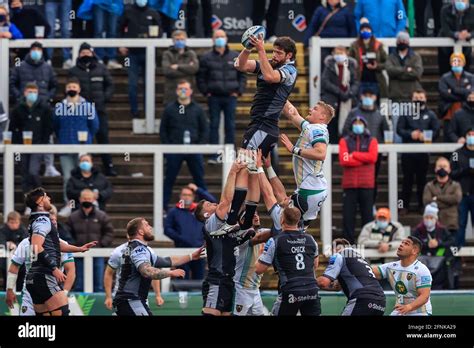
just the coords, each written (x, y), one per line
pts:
(309, 173)
(405, 282)
(246, 255)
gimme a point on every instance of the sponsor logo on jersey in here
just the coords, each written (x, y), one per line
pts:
(24, 309)
(425, 279)
(409, 276)
(376, 307)
(400, 287)
(299, 23)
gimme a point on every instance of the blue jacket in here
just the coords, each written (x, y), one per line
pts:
(340, 25)
(182, 226)
(66, 123)
(387, 17)
(16, 33)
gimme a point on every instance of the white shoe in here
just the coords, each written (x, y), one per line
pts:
(68, 64)
(51, 171)
(225, 228)
(113, 64)
(65, 211)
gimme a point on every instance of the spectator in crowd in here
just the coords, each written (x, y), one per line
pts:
(97, 87)
(446, 193)
(412, 129)
(221, 83)
(86, 224)
(436, 245)
(259, 13)
(339, 88)
(358, 152)
(387, 17)
(309, 6)
(192, 16)
(333, 19)
(462, 121)
(457, 22)
(3, 121)
(371, 57)
(59, 10)
(420, 19)
(27, 19)
(135, 23)
(183, 122)
(63, 229)
(88, 176)
(462, 164)
(382, 234)
(185, 230)
(34, 115)
(73, 115)
(179, 62)
(454, 88)
(13, 232)
(9, 29)
(404, 67)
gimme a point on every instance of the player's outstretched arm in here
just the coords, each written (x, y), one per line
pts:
(229, 188)
(376, 271)
(243, 63)
(292, 114)
(278, 188)
(317, 152)
(261, 237)
(178, 260)
(108, 280)
(270, 75)
(148, 271)
(69, 248)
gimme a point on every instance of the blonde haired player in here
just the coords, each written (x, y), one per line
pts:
(309, 154)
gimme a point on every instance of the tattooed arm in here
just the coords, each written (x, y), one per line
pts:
(148, 271)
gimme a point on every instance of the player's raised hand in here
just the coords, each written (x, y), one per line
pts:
(238, 165)
(286, 142)
(177, 273)
(257, 42)
(199, 254)
(89, 245)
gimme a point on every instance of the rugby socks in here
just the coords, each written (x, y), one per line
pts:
(250, 208)
(239, 198)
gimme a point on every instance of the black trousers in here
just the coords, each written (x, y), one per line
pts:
(102, 137)
(271, 15)
(420, 8)
(351, 198)
(414, 169)
(192, 9)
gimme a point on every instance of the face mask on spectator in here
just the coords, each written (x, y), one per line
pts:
(187, 202)
(3, 18)
(71, 93)
(442, 173)
(220, 42)
(429, 224)
(36, 55)
(178, 44)
(141, 3)
(421, 103)
(457, 69)
(86, 60)
(358, 128)
(365, 35)
(87, 204)
(32, 97)
(402, 46)
(460, 5)
(367, 102)
(340, 58)
(382, 224)
(470, 140)
(85, 166)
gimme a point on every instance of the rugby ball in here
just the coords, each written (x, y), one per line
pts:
(255, 30)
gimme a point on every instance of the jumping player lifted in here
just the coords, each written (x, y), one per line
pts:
(275, 81)
(309, 154)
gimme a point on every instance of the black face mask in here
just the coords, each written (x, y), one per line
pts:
(71, 93)
(16, 10)
(402, 46)
(470, 103)
(422, 104)
(3, 18)
(442, 173)
(86, 60)
(87, 204)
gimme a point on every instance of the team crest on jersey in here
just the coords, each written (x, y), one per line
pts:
(400, 287)
(239, 308)
(409, 276)
(24, 309)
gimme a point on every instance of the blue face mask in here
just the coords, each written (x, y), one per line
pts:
(358, 128)
(220, 42)
(367, 102)
(32, 97)
(340, 58)
(382, 224)
(85, 166)
(141, 3)
(36, 55)
(460, 5)
(457, 69)
(365, 35)
(470, 140)
(180, 44)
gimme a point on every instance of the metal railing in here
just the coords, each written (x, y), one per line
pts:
(149, 44)
(317, 43)
(9, 151)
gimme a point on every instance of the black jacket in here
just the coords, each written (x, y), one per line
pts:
(97, 181)
(95, 226)
(426, 121)
(38, 119)
(27, 19)
(440, 233)
(174, 124)
(452, 90)
(8, 235)
(96, 83)
(331, 93)
(217, 74)
(462, 121)
(137, 19)
(39, 72)
(460, 170)
(452, 22)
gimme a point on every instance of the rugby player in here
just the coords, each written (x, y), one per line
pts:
(409, 278)
(352, 272)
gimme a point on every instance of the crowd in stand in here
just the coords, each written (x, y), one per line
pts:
(357, 81)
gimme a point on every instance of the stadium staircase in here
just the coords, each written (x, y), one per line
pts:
(133, 194)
